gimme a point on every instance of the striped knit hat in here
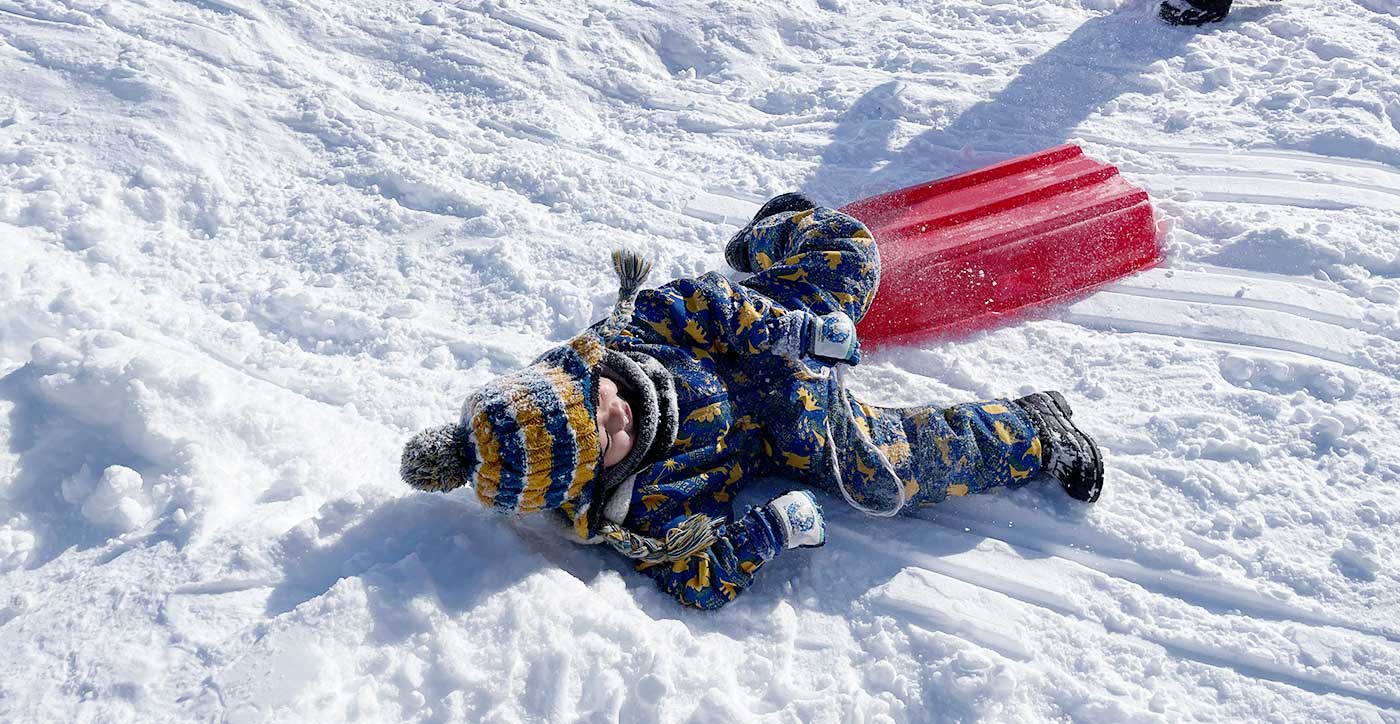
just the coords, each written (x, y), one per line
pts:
(528, 441)
(536, 431)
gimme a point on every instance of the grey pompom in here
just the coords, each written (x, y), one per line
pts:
(438, 459)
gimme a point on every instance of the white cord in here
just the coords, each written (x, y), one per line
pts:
(844, 401)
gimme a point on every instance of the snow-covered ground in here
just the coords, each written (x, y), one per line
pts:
(248, 246)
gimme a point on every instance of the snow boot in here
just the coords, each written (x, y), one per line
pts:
(1070, 456)
(1193, 12)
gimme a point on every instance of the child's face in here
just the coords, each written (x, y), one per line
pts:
(615, 426)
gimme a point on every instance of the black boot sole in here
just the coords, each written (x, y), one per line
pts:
(1190, 18)
(1087, 488)
(1096, 488)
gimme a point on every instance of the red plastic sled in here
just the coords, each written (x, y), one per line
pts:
(962, 253)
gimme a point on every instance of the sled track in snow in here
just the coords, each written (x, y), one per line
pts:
(1249, 311)
(1216, 187)
(1385, 197)
(1169, 584)
(1268, 305)
(1241, 309)
(1073, 564)
(45, 21)
(1254, 156)
(1110, 311)
(1367, 183)
(1206, 189)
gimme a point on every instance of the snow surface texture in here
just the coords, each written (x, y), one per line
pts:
(247, 247)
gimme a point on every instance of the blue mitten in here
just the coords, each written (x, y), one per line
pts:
(800, 519)
(736, 252)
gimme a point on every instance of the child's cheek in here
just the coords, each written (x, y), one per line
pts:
(618, 447)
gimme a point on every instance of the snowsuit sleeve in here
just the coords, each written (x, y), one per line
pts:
(819, 260)
(717, 575)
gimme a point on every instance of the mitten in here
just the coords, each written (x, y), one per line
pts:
(830, 337)
(799, 518)
(737, 251)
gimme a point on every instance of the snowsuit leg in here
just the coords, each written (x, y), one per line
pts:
(970, 448)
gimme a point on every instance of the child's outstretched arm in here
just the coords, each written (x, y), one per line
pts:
(717, 575)
(812, 262)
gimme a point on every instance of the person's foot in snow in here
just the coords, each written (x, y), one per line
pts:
(1071, 457)
(1193, 12)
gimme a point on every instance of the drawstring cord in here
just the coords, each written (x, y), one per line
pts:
(843, 400)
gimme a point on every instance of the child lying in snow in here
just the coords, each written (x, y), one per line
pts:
(640, 430)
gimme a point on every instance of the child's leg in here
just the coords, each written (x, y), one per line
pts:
(940, 452)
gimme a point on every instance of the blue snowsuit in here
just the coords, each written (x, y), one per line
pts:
(745, 411)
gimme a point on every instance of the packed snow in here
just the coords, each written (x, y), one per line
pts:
(248, 246)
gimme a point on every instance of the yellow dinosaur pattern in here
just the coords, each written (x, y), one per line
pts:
(866, 471)
(705, 414)
(696, 302)
(663, 328)
(801, 462)
(1003, 432)
(944, 449)
(798, 276)
(695, 332)
(748, 314)
(702, 574)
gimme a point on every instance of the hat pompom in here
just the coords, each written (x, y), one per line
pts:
(438, 459)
